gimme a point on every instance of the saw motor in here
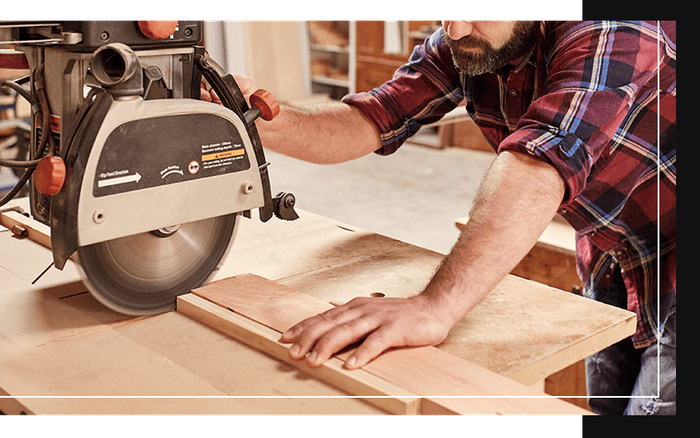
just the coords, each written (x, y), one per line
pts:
(128, 166)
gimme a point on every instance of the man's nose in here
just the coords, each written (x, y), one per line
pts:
(458, 29)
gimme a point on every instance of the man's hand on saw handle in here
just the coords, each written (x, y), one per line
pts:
(246, 84)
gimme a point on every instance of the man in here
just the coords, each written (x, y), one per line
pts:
(582, 115)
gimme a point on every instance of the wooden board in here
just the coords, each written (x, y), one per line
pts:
(552, 261)
(523, 330)
(72, 356)
(274, 57)
(426, 371)
(379, 392)
(336, 262)
(36, 231)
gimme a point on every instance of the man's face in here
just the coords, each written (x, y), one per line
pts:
(480, 47)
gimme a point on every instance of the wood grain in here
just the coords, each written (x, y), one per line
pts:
(378, 392)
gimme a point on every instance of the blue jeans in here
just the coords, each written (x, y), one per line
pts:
(645, 379)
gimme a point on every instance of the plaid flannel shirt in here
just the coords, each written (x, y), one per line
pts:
(597, 100)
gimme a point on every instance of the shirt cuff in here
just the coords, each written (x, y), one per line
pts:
(371, 107)
(567, 153)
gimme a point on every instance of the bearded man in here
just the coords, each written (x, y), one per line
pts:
(583, 117)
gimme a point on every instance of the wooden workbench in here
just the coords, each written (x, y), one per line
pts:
(61, 352)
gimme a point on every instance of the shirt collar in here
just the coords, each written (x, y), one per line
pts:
(523, 60)
(517, 64)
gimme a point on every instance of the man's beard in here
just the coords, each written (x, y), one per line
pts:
(489, 59)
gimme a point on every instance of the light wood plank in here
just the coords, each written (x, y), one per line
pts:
(426, 371)
(376, 391)
(36, 231)
(518, 327)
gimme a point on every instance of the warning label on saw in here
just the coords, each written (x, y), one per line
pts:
(166, 150)
(221, 154)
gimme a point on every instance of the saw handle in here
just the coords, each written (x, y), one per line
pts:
(262, 104)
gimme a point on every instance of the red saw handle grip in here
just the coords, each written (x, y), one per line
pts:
(266, 103)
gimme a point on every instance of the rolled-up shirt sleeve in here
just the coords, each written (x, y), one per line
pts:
(421, 92)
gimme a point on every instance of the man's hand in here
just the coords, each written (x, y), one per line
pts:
(246, 85)
(383, 323)
(518, 197)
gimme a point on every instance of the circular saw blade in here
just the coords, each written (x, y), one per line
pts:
(143, 274)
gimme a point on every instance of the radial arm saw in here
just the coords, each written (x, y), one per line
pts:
(128, 166)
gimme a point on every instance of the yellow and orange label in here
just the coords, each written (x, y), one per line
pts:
(224, 154)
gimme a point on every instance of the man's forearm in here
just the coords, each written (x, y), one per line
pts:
(517, 199)
(328, 133)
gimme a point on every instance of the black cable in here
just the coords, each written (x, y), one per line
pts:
(14, 164)
(45, 133)
(15, 85)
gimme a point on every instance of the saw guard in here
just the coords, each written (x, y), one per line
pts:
(138, 207)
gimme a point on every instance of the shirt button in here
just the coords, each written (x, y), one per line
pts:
(513, 92)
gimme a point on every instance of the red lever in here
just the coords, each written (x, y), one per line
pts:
(49, 175)
(266, 103)
(158, 30)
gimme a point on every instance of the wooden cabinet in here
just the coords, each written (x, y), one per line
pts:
(332, 57)
(357, 56)
(354, 56)
(374, 65)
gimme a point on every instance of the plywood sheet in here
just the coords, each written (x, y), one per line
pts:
(522, 329)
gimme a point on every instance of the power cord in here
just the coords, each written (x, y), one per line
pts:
(40, 104)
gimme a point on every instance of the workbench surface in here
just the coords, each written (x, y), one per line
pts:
(61, 352)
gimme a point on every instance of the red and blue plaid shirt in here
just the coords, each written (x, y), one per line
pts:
(597, 100)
